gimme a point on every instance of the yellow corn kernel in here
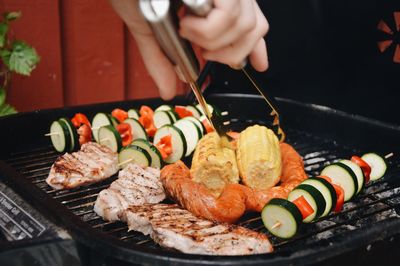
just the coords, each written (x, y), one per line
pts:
(259, 157)
(214, 166)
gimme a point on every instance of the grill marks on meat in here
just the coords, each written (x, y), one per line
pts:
(173, 227)
(91, 164)
(134, 186)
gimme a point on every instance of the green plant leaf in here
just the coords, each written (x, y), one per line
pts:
(2, 96)
(23, 58)
(7, 109)
(3, 33)
(5, 57)
(12, 15)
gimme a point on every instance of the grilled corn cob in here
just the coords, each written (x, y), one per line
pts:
(259, 157)
(214, 166)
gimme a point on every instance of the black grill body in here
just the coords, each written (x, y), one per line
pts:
(363, 232)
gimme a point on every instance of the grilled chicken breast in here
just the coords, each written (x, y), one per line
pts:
(91, 164)
(134, 186)
(173, 227)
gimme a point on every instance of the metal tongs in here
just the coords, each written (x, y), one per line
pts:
(164, 23)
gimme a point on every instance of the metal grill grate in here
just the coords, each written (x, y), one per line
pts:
(380, 200)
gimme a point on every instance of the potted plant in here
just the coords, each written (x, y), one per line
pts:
(16, 57)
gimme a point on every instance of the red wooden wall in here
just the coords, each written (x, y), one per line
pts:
(87, 55)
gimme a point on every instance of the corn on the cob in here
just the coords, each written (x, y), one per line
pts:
(259, 157)
(213, 165)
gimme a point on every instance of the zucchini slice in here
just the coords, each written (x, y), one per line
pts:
(198, 124)
(193, 109)
(377, 164)
(174, 115)
(60, 136)
(134, 154)
(73, 133)
(162, 118)
(156, 158)
(133, 113)
(99, 120)
(313, 197)
(191, 132)
(281, 217)
(357, 171)
(327, 191)
(110, 137)
(343, 176)
(138, 131)
(209, 107)
(178, 142)
(164, 107)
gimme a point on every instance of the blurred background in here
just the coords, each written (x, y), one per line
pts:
(342, 54)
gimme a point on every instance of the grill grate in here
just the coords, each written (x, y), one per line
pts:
(378, 201)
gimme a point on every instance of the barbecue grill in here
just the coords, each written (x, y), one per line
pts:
(368, 224)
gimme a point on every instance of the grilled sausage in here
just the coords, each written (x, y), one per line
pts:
(235, 199)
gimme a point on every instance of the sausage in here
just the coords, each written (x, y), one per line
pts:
(235, 199)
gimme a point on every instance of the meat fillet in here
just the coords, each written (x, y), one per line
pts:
(134, 186)
(91, 164)
(173, 227)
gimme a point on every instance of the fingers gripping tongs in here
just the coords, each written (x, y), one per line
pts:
(162, 18)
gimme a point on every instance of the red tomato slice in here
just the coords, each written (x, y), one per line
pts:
(125, 131)
(303, 206)
(85, 134)
(182, 111)
(80, 119)
(119, 114)
(363, 165)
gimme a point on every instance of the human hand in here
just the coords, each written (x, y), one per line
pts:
(232, 31)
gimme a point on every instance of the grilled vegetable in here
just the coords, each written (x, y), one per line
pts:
(303, 206)
(377, 164)
(133, 113)
(119, 114)
(281, 217)
(327, 191)
(156, 159)
(138, 131)
(99, 120)
(134, 154)
(206, 124)
(191, 132)
(85, 134)
(357, 171)
(162, 118)
(110, 137)
(146, 119)
(60, 136)
(313, 197)
(182, 111)
(364, 166)
(198, 124)
(343, 176)
(259, 157)
(178, 142)
(74, 144)
(214, 166)
(338, 205)
(125, 131)
(164, 107)
(195, 112)
(80, 119)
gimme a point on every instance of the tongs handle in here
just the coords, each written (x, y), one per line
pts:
(163, 21)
